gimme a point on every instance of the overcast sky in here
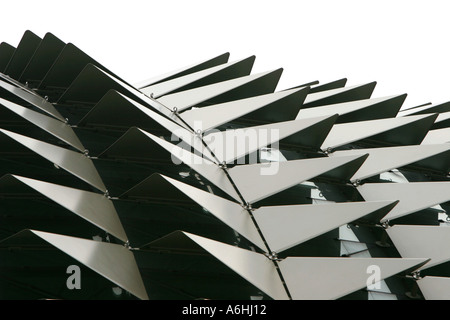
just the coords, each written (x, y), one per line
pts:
(403, 45)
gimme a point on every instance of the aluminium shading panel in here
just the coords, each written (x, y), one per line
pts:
(259, 181)
(33, 99)
(287, 226)
(359, 110)
(205, 64)
(340, 83)
(346, 94)
(271, 107)
(22, 55)
(42, 59)
(96, 255)
(230, 145)
(74, 162)
(404, 131)
(230, 213)
(93, 83)
(135, 144)
(6, 52)
(332, 278)
(437, 136)
(254, 267)
(177, 155)
(435, 288)
(240, 88)
(93, 207)
(413, 241)
(69, 63)
(201, 78)
(383, 159)
(413, 196)
(435, 108)
(55, 127)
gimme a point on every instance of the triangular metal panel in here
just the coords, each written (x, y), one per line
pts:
(93, 207)
(437, 136)
(74, 162)
(359, 110)
(329, 86)
(6, 52)
(240, 88)
(405, 131)
(339, 95)
(55, 127)
(435, 288)
(259, 181)
(203, 166)
(438, 108)
(42, 59)
(287, 226)
(414, 241)
(414, 196)
(383, 159)
(33, 99)
(22, 55)
(230, 213)
(209, 63)
(271, 107)
(230, 145)
(201, 78)
(99, 256)
(254, 267)
(333, 278)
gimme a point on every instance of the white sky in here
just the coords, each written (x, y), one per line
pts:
(403, 45)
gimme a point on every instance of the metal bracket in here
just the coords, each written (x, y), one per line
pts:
(356, 183)
(273, 256)
(223, 165)
(248, 206)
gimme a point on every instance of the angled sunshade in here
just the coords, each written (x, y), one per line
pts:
(437, 136)
(409, 241)
(240, 88)
(42, 60)
(98, 256)
(209, 63)
(384, 159)
(253, 267)
(438, 108)
(93, 83)
(271, 107)
(404, 131)
(74, 162)
(333, 278)
(177, 154)
(435, 288)
(22, 55)
(340, 95)
(93, 207)
(230, 145)
(32, 99)
(414, 196)
(229, 212)
(287, 226)
(6, 52)
(201, 78)
(329, 86)
(55, 127)
(359, 110)
(259, 181)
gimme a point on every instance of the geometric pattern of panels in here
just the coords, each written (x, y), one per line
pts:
(209, 183)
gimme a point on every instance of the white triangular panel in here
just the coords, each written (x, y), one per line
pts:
(286, 226)
(414, 241)
(435, 288)
(112, 261)
(254, 267)
(414, 196)
(384, 159)
(333, 278)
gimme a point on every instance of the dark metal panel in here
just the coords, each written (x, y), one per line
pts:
(42, 60)
(6, 53)
(22, 55)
